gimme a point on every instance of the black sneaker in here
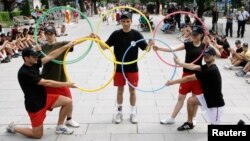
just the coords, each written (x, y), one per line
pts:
(185, 126)
(5, 60)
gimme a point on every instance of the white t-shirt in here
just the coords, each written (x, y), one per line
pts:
(242, 15)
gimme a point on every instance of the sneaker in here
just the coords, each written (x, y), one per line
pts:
(228, 67)
(185, 126)
(61, 129)
(118, 118)
(11, 128)
(169, 120)
(248, 81)
(5, 60)
(133, 119)
(72, 123)
(241, 73)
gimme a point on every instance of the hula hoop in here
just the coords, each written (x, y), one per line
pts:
(153, 90)
(181, 12)
(104, 85)
(42, 17)
(150, 28)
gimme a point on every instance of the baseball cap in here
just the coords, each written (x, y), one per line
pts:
(237, 42)
(50, 29)
(126, 15)
(209, 51)
(29, 52)
(197, 30)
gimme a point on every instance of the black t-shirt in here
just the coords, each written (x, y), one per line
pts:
(121, 41)
(35, 95)
(211, 85)
(192, 53)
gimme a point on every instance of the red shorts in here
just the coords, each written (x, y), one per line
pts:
(38, 117)
(65, 91)
(132, 77)
(224, 54)
(191, 86)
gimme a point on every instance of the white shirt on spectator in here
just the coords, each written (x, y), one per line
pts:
(242, 15)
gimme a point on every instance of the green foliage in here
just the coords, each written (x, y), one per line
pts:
(4, 16)
(5, 19)
(16, 13)
(26, 8)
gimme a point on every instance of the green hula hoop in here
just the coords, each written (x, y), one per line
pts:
(43, 16)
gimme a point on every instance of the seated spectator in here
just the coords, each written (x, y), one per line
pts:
(221, 46)
(167, 24)
(63, 29)
(186, 34)
(244, 71)
(238, 55)
(3, 55)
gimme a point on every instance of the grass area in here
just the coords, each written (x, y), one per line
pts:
(6, 24)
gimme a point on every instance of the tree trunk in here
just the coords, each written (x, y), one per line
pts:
(157, 7)
(200, 11)
(81, 5)
(95, 8)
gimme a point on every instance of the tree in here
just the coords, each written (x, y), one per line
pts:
(46, 3)
(26, 8)
(81, 4)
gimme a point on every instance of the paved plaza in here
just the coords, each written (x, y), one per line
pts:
(95, 111)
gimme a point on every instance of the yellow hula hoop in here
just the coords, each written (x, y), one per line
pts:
(85, 89)
(150, 28)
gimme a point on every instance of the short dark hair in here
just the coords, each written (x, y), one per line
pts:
(245, 44)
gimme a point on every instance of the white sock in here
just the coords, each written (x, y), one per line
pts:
(61, 125)
(16, 51)
(133, 110)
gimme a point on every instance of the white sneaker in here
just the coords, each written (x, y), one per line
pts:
(194, 121)
(118, 118)
(133, 119)
(228, 66)
(72, 123)
(11, 128)
(169, 120)
(61, 129)
(248, 81)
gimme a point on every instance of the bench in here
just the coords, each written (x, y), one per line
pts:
(23, 20)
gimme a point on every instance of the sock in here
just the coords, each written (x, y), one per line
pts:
(69, 118)
(133, 110)
(60, 125)
(4, 56)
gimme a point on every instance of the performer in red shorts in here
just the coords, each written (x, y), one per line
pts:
(121, 40)
(193, 50)
(37, 101)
